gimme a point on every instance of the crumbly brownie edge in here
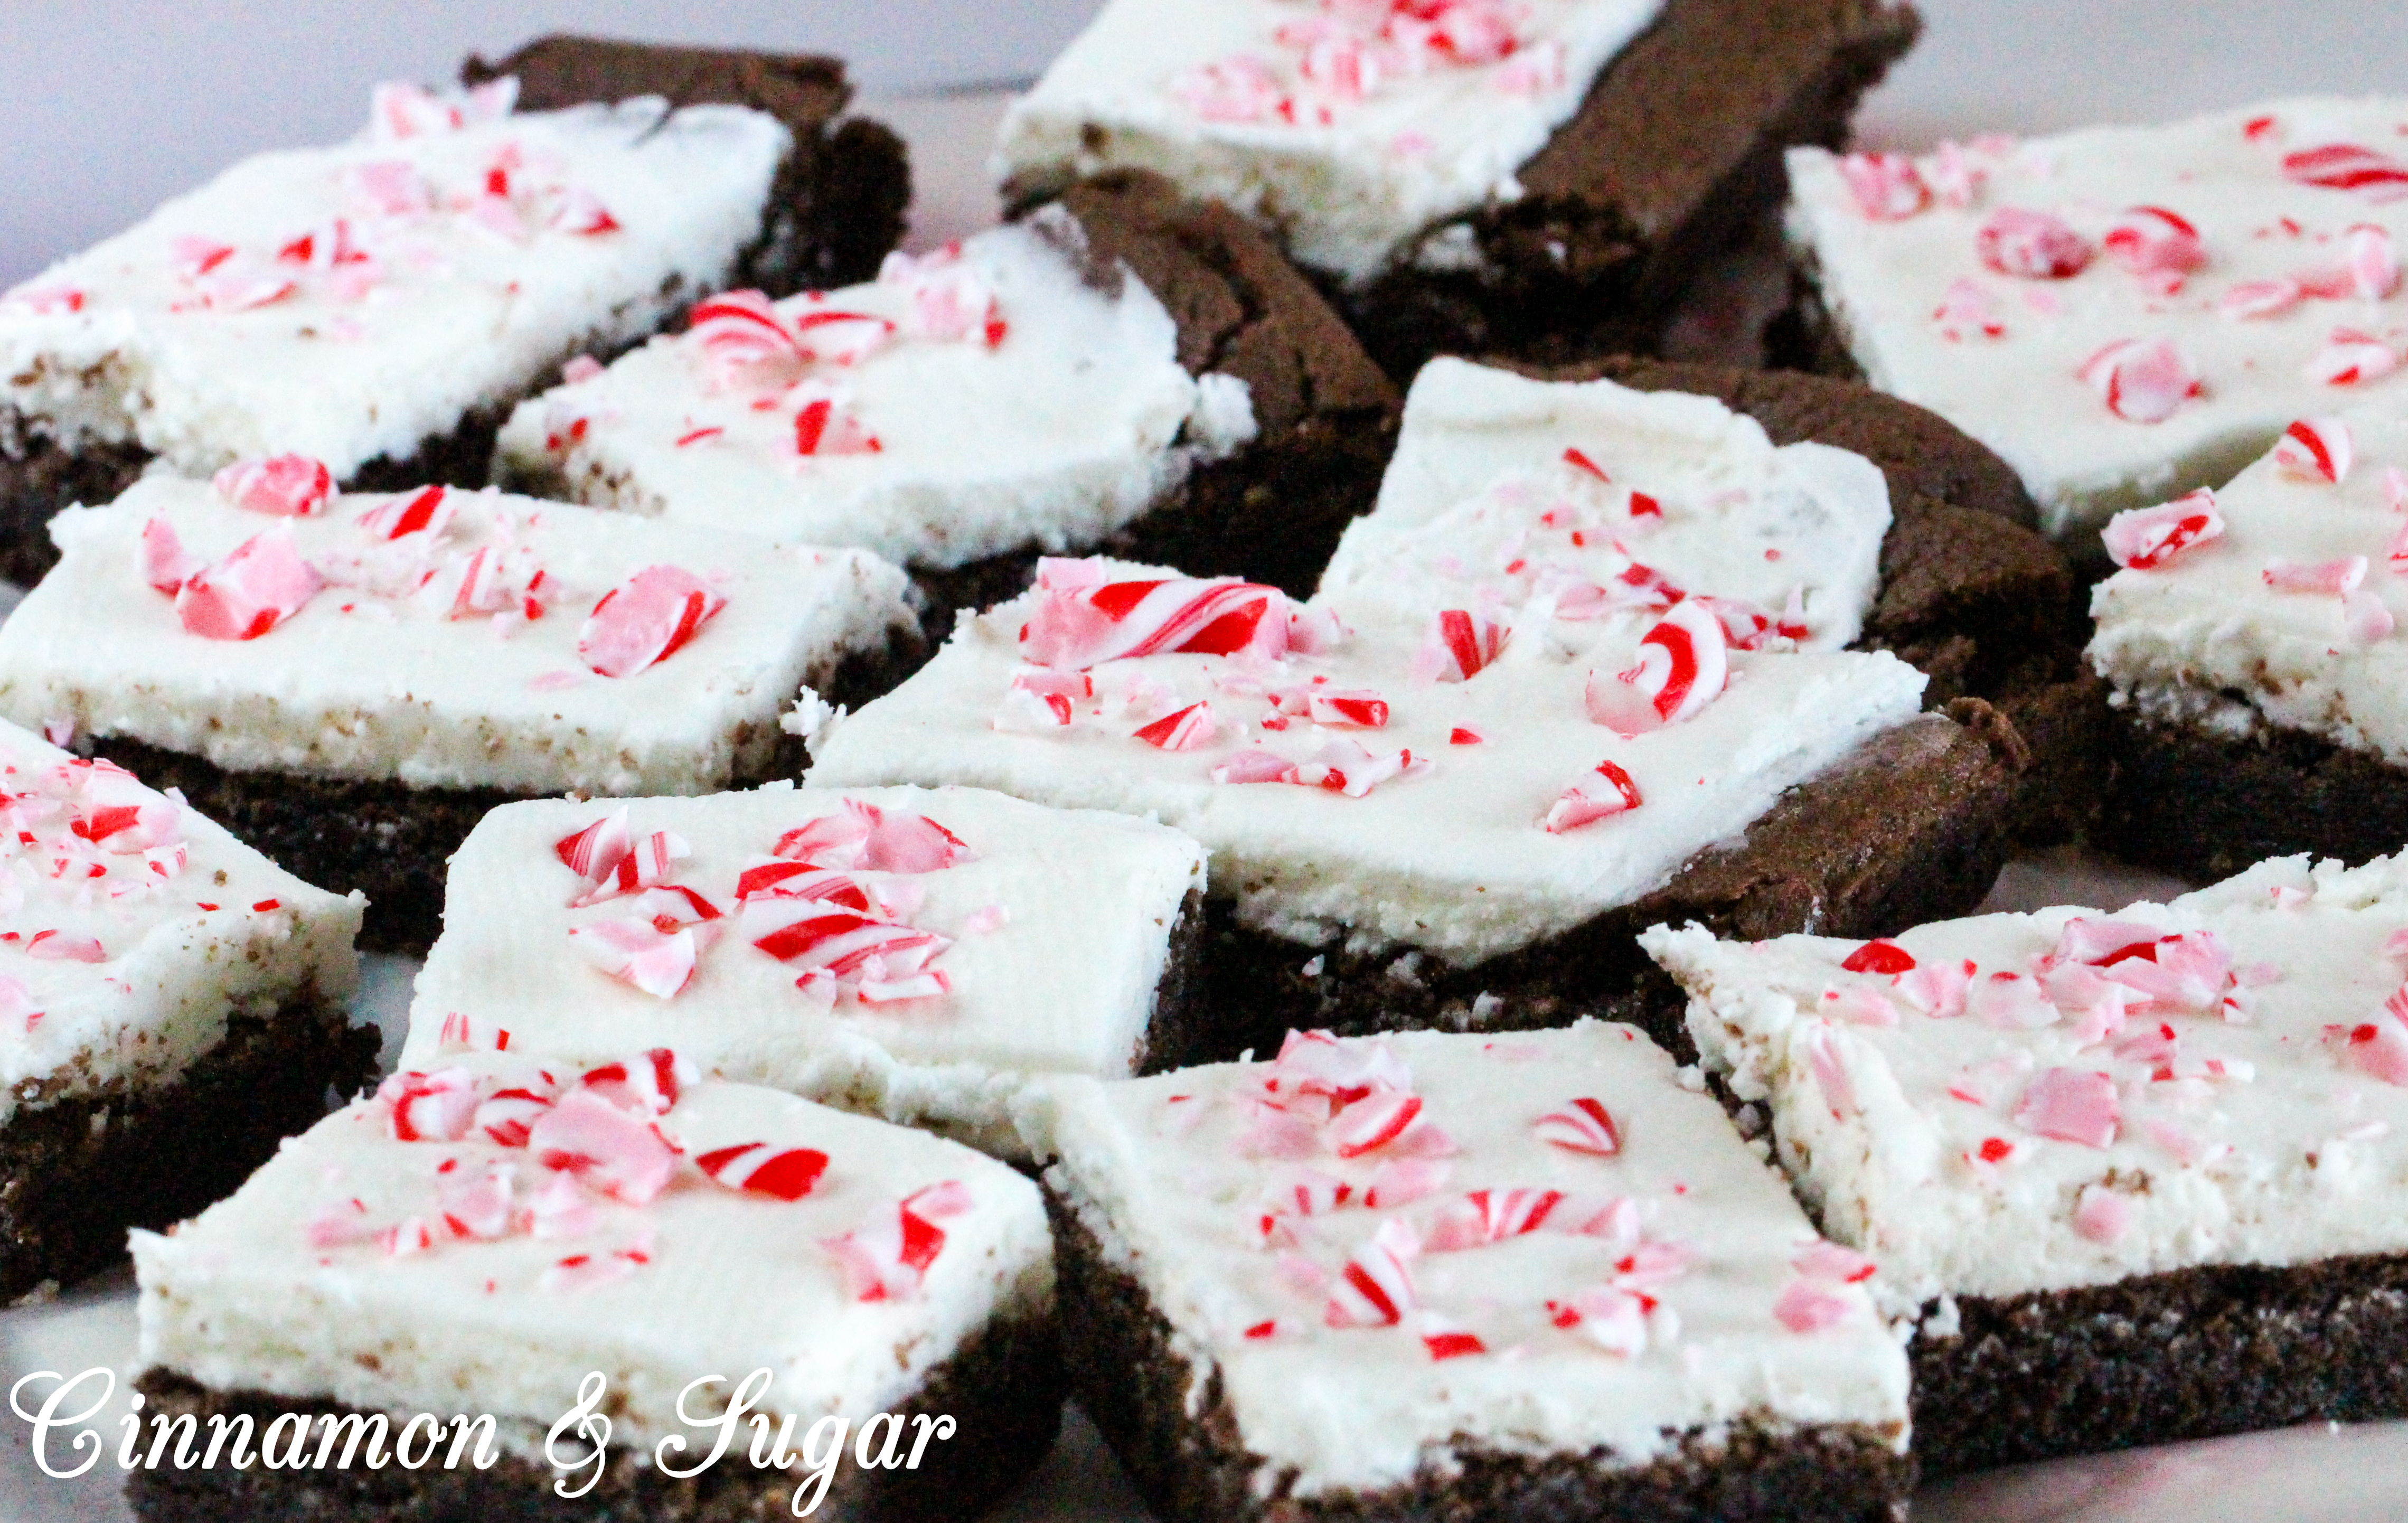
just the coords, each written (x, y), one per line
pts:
(1674, 155)
(1911, 828)
(1179, 1032)
(76, 1170)
(1002, 1387)
(1190, 1462)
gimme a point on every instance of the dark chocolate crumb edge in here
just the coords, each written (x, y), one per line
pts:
(1189, 1461)
(1674, 156)
(1002, 1387)
(1180, 1032)
(1909, 829)
(76, 1170)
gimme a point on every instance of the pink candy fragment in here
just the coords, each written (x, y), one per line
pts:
(2314, 449)
(2101, 1214)
(2071, 1105)
(1375, 1287)
(645, 620)
(2032, 245)
(888, 1258)
(259, 584)
(283, 485)
(2141, 381)
(1608, 791)
(2347, 167)
(1189, 729)
(603, 1147)
(1683, 665)
(2350, 357)
(1805, 1307)
(1078, 627)
(2260, 298)
(1887, 187)
(2144, 538)
(2157, 244)
(1829, 1261)
(1583, 1126)
(638, 955)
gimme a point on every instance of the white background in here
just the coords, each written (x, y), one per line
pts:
(107, 106)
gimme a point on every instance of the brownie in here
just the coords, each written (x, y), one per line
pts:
(1002, 1389)
(2202, 805)
(1179, 1440)
(1674, 156)
(79, 1169)
(838, 202)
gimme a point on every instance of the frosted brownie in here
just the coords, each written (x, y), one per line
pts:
(1470, 177)
(1435, 1276)
(378, 304)
(1440, 818)
(1125, 369)
(2249, 639)
(2123, 313)
(347, 680)
(912, 954)
(493, 1244)
(171, 1005)
(2134, 1174)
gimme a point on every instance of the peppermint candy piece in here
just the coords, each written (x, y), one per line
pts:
(1486, 1216)
(1586, 802)
(866, 837)
(2141, 381)
(1372, 1122)
(2260, 298)
(2335, 578)
(2006, 1002)
(478, 1205)
(888, 1258)
(647, 1085)
(1461, 645)
(2071, 1105)
(1879, 956)
(821, 428)
(761, 1169)
(775, 877)
(2151, 241)
(1583, 1126)
(645, 620)
(427, 512)
(1375, 1289)
(603, 1147)
(166, 565)
(1189, 729)
(2101, 1214)
(1358, 709)
(435, 1107)
(1805, 1307)
(1076, 628)
(506, 1116)
(2378, 1048)
(2372, 263)
(583, 1271)
(609, 860)
(1446, 1340)
(2347, 167)
(1887, 187)
(2314, 449)
(259, 584)
(57, 946)
(1612, 1318)
(1256, 765)
(1344, 766)
(280, 485)
(2032, 245)
(1828, 1261)
(639, 955)
(2146, 539)
(2350, 357)
(1829, 1067)
(1683, 665)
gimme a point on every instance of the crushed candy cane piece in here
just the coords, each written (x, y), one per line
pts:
(2314, 449)
(2071, 1105)
(2032, 245)
(645, 620)
(1583, 1126)
(2144, 538)
(761, 1169)
(1887, 187)
(1585, 801)
(2143, 382)
(282, 485)
(1683, 665)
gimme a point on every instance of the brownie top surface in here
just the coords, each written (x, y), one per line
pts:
(1465, 816)
(2122, 313)
(961, 407)
(2069, 1097)
(443, 639)
(1382, 1249)
(1007, 938)
(353, 301)
(2254, 604)
(1354, 131)
(805, 90)
(429, 1246)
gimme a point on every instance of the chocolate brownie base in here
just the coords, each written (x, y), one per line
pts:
(838, 204)
(1188, 1457)
(1179, 1033)
(2204, 806)
(1002, 1389)
(75, 1170)
(1674, 156)
(1909, 828)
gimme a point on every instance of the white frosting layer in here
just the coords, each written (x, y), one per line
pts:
(124, 948)
(1249, 102)
(461, 303)
(2249, 1137)
(1482, 508)
(2186, 639)
(1161, 1172)
(239, 1299)
(371, 680)
(1076, 419)
(1451, 859)
(1911, 298)
(1060, 924)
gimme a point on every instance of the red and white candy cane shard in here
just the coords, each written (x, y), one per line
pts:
(2072, 1105)
(611, 861)
(2347, 167)
(1968, 308)
(1372, 1122)
(2151, 241)
(1887, 187)
(863, 835)
(2260, 298)
(1050, 697)
(283, 485)
(1402, 1179)
(1188, 729)
(1445, 1340)
(761, 1169)
(480, 1204)
(2032, 245)
(639, 955)
(1608, 1316)
(581, 212)
(1374, 1288)
(741, 328)
(506, 1116)
(646, 619)
(1344, 766)
(1607, 792)
(1804, 1306)
(1254, 764)
(586, 1271)
(2350, 358)
(670, 907)
(1583, 1126)
(838, 337)
(647, 1084)
(2007, 1001)
(1830, 1068)
(1953, 176)
(1077, 627)
(2372, 262)
(2101, 1214)
(1825, 1261)
(435, 1107)
(888, 1258)
(775, 877)
(58, 946)
(2377, 1048)
(2142, 380)
(603, 1147)
(1486, 1216)
(425, 511)
(836, 940)
(166, 565)
(822, 427)
(1879, 956)
(1352, 708)
(1460, 646)
(2334, 578)
(1317, 1063)
(1683, 665)
(2314, 449)
(259, 584)
(2146, 539)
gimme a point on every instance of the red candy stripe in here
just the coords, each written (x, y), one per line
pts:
(1879, 956)
(780, 1174)
(1583, 1126)
(645, 620)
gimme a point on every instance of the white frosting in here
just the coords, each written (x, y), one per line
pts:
(238, 1299)
(2204, 632)
(192, 926)
(1888, 287)
(455, 308)
(1159, 1169)
(2287, 1154)
(1349, 181)
(1480, 508)
(368, 683)
(1453, 859)
(1078, 420)
(1060, 923)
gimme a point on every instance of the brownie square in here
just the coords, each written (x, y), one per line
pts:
(174, 1003)
(2132, 1177)
(1430, 1274)
(906, 953)
(475, 1241)
(350, 684)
